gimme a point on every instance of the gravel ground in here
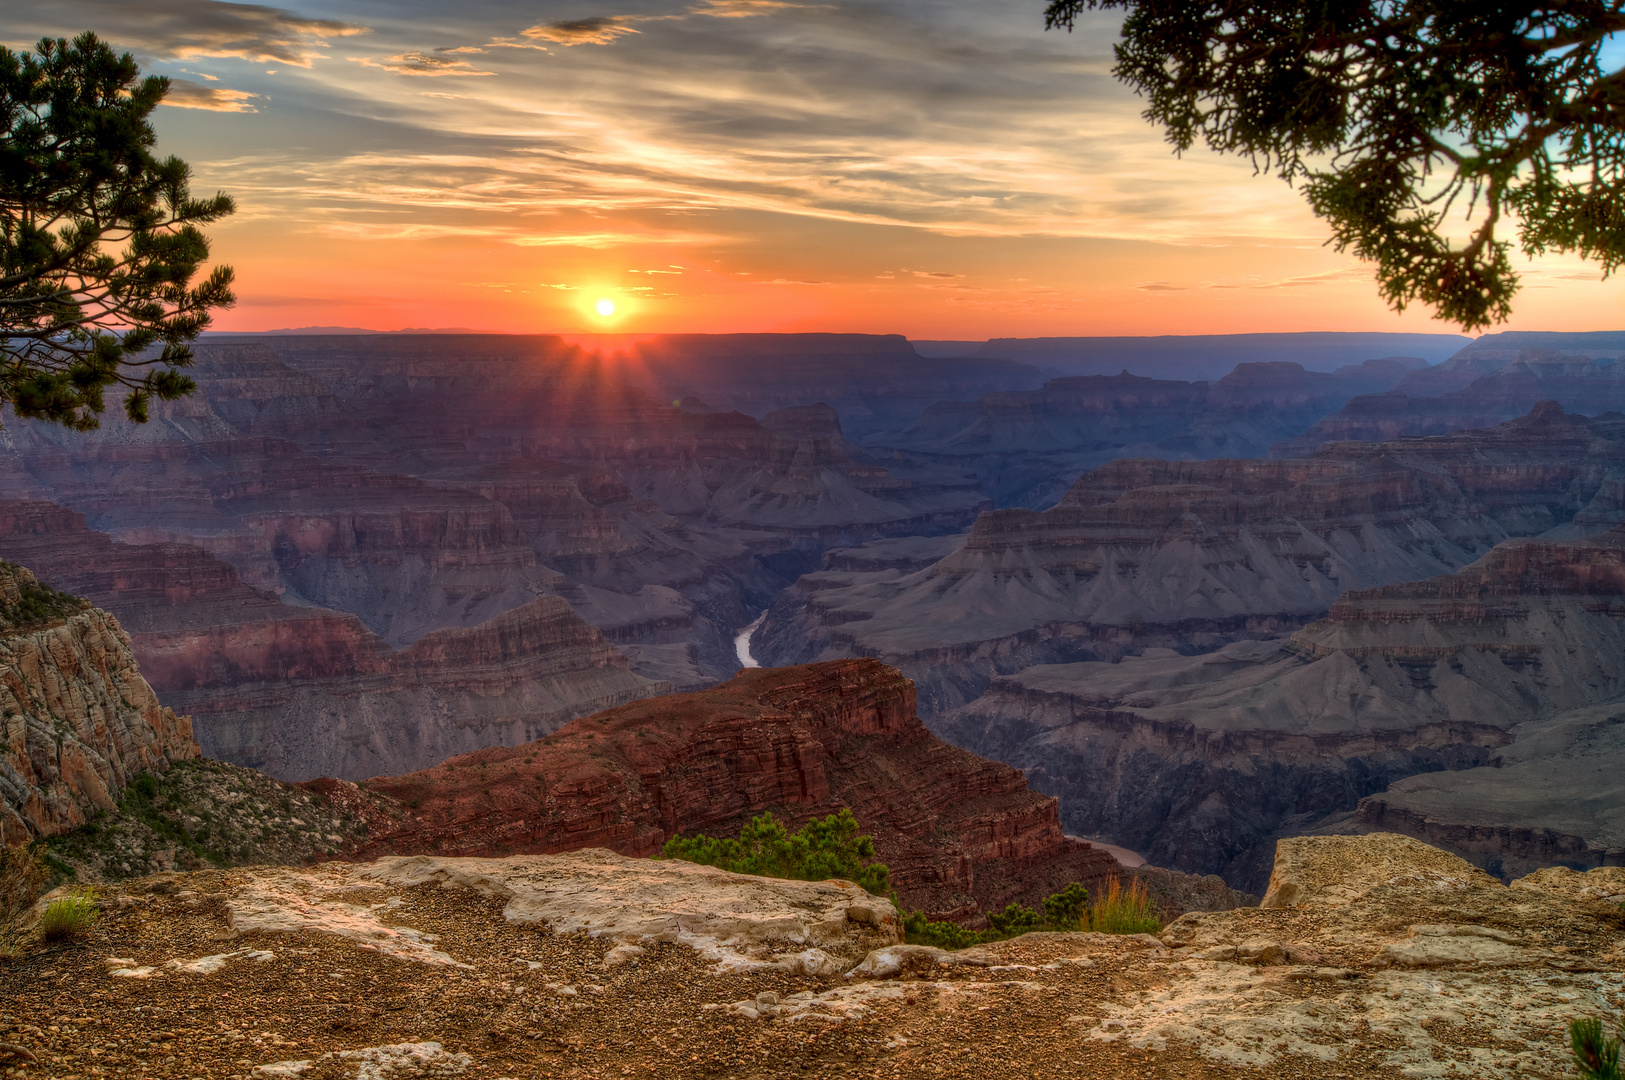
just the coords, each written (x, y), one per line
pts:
(532, 1004)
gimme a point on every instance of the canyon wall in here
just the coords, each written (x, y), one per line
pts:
(1479, 710)
(79, 721)
(1191, 555)
(300, 692)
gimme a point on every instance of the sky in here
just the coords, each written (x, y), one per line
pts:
(936, 168)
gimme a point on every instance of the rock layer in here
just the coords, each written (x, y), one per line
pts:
(79, 721)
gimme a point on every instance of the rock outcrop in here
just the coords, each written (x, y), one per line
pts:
(79, 721)
(1397, 962)
(1475, 710)
(300, 692)
(960, 833)
(1190, 555)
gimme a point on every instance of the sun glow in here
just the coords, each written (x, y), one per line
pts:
(606, 308)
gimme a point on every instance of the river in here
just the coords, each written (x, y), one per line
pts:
(742, 642)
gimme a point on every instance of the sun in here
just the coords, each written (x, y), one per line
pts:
(606, 308)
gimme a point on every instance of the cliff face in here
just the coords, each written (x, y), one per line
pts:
(78, 719)
(1189, 555)
(1475, 710)
(301, 692)
(960, 833)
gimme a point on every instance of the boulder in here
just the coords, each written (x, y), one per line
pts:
(1332, 871)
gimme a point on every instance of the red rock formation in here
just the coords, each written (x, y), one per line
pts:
(960, 833)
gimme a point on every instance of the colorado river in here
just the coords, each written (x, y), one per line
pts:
(742, 642)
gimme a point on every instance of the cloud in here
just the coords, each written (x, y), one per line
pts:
(429, 64)
(598, 30)
(787, 281)
(1159, 286)
(935, 274)
(743, 9)
(1347, 273)
(185, 94)
(181, 29)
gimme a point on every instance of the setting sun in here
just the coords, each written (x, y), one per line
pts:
(606, 308)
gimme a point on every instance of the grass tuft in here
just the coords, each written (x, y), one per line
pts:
(1125, 911)
(68, 917)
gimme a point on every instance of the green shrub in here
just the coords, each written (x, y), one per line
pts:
(1596, 1056)
(1064, 910)
(1125, 911)
(68, 917)
(824, 848)
(918, 930)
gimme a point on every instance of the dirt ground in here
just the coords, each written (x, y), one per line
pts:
(529, 1003)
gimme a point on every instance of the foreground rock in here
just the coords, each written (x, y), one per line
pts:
(1400, 964)
(77, 720)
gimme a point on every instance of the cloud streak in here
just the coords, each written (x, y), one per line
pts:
(184, 29)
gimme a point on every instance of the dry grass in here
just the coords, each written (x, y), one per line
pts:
(1125, 911)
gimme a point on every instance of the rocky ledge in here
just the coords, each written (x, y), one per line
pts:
(1375, 957)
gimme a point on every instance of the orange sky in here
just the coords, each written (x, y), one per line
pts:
(939, 168)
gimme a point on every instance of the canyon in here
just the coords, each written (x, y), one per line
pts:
(1190, 556)
(1477, 710)
(356, 556)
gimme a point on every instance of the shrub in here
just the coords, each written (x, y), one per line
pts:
(1596, 1056)
(1062, 911)
(67, 917)
(1125, 911)
(824, 848)
(23, 874)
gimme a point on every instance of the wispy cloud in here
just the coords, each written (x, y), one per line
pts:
(186, 94)
(440, 62)
(598, 30)
(184, 29)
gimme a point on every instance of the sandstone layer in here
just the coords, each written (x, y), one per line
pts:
(1399, 962)
(302, 692)
(961, 834)
(79, 720)
(1190, 555)
(1477, 710)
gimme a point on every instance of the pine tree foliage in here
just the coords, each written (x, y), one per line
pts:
(1403, 120)
(100, 240)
